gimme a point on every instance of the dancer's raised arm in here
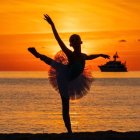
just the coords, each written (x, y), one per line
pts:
(57, 37)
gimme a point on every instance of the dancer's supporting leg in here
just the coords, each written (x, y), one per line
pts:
(65, 111)
(63, 89)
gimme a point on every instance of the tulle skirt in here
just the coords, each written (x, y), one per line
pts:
(58, 77)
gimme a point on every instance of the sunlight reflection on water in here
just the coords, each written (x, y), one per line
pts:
(32, 105)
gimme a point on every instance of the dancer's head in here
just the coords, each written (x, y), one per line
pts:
(75, 41)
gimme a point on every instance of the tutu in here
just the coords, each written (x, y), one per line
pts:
(78, 87)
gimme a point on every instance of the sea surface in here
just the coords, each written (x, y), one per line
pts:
(29, 104)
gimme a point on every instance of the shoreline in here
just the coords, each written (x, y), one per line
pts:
(98, 135)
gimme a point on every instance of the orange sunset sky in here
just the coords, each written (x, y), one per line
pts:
(21, 20)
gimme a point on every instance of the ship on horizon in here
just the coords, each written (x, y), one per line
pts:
(114, 66)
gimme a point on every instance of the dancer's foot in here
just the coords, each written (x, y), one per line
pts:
(34, 52)
(69, 131)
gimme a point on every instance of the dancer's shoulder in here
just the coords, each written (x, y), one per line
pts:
(84, 55)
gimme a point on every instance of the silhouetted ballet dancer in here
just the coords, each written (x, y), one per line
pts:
(66, 73)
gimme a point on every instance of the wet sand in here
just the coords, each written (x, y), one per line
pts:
(100, 135)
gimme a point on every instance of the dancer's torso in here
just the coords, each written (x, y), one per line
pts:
(76, 65)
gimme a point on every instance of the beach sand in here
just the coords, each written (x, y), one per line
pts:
(99, 135)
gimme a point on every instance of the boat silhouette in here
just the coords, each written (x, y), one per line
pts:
(114, 66)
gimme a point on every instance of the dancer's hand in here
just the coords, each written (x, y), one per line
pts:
(48, 19)
(105, 56)
(34, 52)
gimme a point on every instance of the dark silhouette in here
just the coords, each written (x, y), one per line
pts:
(69, 72)
(99, 135)
(122, 40)
(114, 66)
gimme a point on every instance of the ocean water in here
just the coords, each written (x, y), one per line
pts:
(28, 104)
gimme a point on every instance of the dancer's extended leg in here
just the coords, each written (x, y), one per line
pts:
(44, 58)
(62, 85)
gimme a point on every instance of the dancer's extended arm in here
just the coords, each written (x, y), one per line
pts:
(93, 56)
(57, 37)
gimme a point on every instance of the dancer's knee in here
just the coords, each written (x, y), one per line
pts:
(46, 59)
(65, 105)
